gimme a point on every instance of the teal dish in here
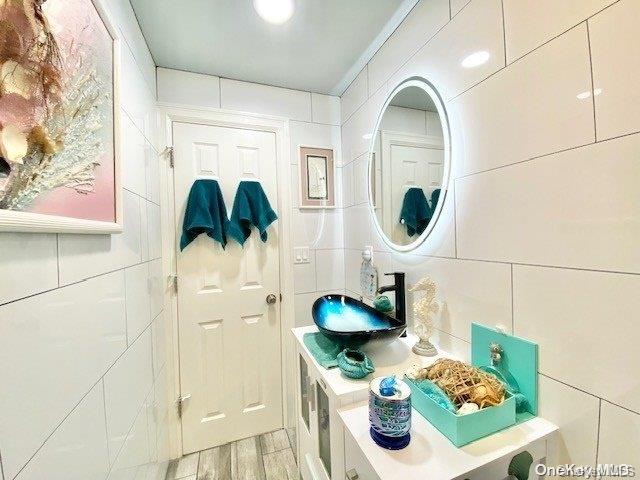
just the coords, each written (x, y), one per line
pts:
(354, 364)
(352, 323)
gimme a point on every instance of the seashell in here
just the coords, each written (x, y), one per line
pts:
(416, 372)
(13, 144)
(467, 408)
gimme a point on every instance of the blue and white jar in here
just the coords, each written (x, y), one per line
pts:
(390, 412)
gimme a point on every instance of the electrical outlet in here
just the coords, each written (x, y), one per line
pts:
(301, 255)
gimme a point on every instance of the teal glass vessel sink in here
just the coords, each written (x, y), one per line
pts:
(352, 323)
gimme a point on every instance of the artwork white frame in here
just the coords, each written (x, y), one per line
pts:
(17, 221)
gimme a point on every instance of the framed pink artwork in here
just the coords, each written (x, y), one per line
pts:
(59, 118)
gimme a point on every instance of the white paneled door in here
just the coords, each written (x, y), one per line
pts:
(229, 334)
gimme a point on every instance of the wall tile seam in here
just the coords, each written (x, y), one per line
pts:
(313, 122)
(592, 394)
(593, 97)
(77, 404)
(463, 7)
(584, 20)
(125, 110)
(365, 67)
(394, 72)
(502, 69)
(356, 158)
(136, 60)
(556, 152)
(128, 43)
(104, 411)
(598, 431)
(59, 424)
(144, 37)
(75, 282)
(140, 410)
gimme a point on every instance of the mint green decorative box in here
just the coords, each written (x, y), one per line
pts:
(517, 362)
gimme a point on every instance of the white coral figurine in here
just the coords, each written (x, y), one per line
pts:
(423, 310)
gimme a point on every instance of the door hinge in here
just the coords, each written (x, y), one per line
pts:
(180, 403)
(169, 152)
(173, 281)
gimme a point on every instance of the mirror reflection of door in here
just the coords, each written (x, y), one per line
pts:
(409, 158)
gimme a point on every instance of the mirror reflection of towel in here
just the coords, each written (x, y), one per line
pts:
(415, 213)
(250, 208)
(205, 213)
(435, 195)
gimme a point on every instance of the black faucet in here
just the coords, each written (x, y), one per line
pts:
(398, 289)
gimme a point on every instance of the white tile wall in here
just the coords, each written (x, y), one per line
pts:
(580, 318)
(78, 449)
(305, 134)
(616, 68)
(544, 113)
(477, 28)
(126, 387)
(325, 109)
(541, 210)
(619, 436)
(55, 346)
(60, 343)
(457, 5)
(553, 197)
(194, 88)
(329, 270)
(576, 413)
(426, 18)
(30, 261)
(256, 98)
(354, 96)
(138, 301)
(84, 256)
(530, 24)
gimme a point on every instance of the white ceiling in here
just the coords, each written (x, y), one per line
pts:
(320, 49)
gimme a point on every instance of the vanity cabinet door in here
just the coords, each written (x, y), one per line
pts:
(356, 466)
(305, 421)
(324, 428)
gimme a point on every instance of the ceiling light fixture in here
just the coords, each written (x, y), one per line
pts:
(475, 59)
(274, 11)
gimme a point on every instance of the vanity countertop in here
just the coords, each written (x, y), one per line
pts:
(395, 358)
(431, 455)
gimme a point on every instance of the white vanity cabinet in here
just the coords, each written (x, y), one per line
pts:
(333, 429)
(321, 393)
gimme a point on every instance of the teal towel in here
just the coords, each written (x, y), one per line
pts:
(324, 350)
(415, 213)
(435, 195)
(250, 207)
(205, 213)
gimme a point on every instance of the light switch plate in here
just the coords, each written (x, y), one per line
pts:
(300, 255)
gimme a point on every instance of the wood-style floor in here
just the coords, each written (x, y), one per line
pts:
(266, 457)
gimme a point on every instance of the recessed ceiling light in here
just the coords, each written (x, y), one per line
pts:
(583, 95)
(367, 136)
(274, 11)
(597, 92)
(475, 59)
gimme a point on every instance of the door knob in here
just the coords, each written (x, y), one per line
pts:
(271, 299)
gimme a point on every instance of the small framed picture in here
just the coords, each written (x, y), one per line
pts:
(317, 188)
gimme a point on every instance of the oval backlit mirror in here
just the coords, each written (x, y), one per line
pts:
(409, 164)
